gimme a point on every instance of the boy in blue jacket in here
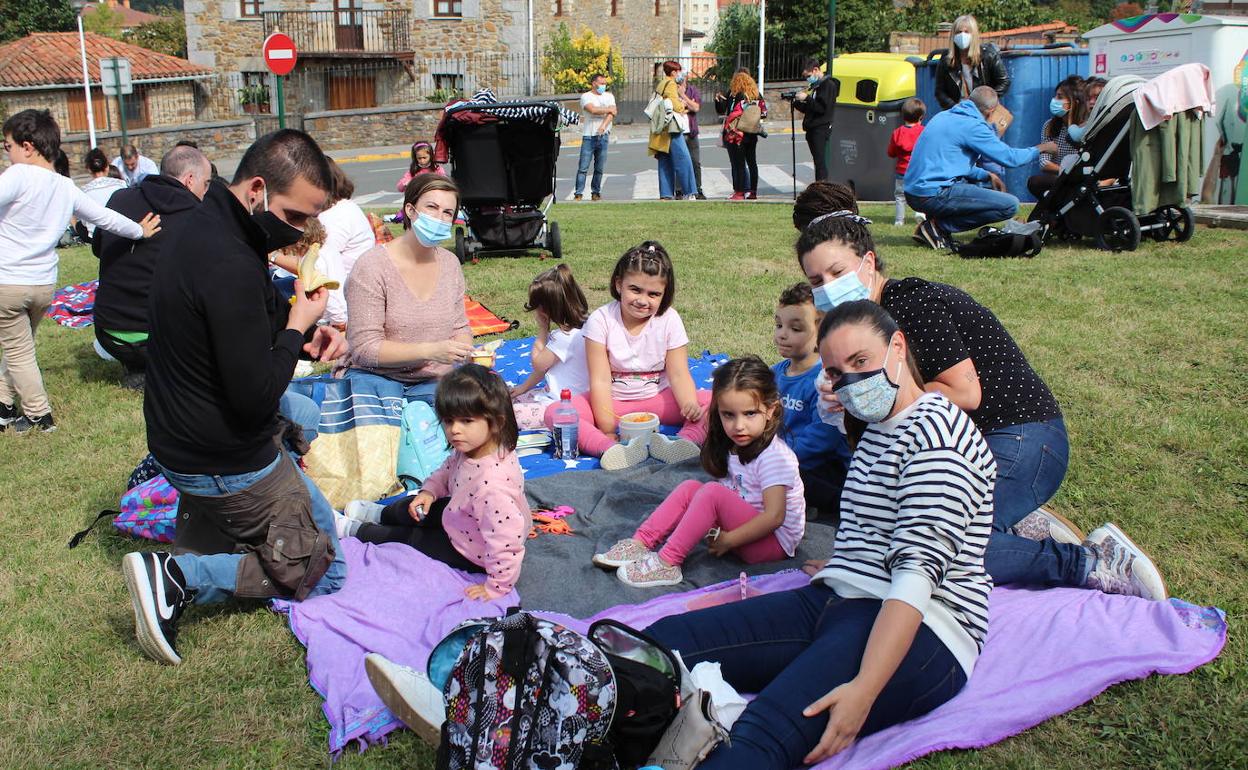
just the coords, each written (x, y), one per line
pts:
(822, 451)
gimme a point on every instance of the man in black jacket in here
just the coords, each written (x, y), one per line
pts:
(816, 105)
(222, 351)
(126, 266)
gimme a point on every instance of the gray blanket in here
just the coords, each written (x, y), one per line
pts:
(558, 574)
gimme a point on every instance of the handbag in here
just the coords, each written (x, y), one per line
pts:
(679, 124)
(751, 119)
(690, 737)
(655, 103)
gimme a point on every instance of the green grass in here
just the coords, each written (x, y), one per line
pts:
(1146, 353)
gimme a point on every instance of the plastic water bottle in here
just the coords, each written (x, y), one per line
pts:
(566, 422)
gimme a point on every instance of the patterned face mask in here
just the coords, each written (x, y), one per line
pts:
(869, 396)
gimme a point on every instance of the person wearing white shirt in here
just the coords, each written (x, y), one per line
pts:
(36, 204)
(348, 234)
(600, 110)
(101, 187)
(134, 166)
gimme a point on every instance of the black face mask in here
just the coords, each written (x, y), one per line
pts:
(278, 234)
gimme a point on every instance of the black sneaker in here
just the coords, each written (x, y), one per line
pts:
(23, 424)
(932, 236)
(8, 414)
(158, 593)
(134, 381)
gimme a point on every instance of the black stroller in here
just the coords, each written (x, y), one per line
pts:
(1092, 194)
(503, 158)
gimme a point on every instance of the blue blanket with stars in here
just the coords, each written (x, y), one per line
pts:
(511, 361)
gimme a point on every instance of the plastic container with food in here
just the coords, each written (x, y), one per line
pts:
(636, 424)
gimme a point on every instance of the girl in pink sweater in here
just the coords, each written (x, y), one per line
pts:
(470, 513)
(422, 163)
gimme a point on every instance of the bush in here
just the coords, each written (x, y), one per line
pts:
(568, 62)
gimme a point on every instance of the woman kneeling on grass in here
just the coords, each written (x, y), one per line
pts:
(891, 626)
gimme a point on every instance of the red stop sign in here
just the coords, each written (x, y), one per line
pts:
(279, 53)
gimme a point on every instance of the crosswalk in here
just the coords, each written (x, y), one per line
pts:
(644, 185)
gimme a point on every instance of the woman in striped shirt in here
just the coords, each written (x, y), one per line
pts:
(892, 625)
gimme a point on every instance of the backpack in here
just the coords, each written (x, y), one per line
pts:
(750, 121)
(422, 445)
(526, 693)
(992, 242)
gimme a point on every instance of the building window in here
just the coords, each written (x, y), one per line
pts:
(254, 97)
(249, 8)
(558, 7)
(657, 8)
(615, 7)
(448, 9)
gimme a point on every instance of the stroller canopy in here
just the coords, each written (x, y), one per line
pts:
(1117, 95)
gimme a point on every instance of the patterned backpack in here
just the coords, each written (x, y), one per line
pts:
(525, 693)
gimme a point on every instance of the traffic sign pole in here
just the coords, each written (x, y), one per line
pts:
(121, 105)
(280, 56)
(281, 103)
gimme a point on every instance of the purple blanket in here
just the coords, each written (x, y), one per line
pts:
(400, 603)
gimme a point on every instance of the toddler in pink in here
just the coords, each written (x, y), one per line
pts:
(471, 513)
(756, 508)
(636, 354)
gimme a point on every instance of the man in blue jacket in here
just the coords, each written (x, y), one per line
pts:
(942, 178)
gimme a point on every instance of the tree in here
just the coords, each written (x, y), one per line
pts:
(569, 62)
(1125, 11)
(166, 35)
(104, 20)
(18, 18)
(736, 28)
(991, 14)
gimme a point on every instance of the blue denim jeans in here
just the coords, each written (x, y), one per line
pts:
(962, 206)
(302, 411)
(1031, 463)
(791, 648)
(676, 169)
(593, 148)
(214, 576)
(415, 391)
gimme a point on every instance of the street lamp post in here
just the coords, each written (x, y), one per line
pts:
(78, 5)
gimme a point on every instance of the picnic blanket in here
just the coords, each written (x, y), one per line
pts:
(1047, 651)
(74, 306)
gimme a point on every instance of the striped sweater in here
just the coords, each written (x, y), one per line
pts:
(916, 514)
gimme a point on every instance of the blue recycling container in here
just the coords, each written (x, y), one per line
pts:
(1034, 73)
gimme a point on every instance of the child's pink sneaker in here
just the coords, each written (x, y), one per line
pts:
(649, 572)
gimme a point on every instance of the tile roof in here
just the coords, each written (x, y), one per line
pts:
(1053, 26)
(50, 58)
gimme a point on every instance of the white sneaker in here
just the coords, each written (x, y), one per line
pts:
(364, 510)
(1121, 567)
(1043, 524)
(409, 695)
(673, 450)
(622, 456)
(342, 525)
(624, 551)
(649, 571)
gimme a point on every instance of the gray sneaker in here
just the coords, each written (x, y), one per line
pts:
(24, 425)
(1043, 524)
(624, 551)
(1121, 567)
(409, 695)
(622, 456)
(673, 449)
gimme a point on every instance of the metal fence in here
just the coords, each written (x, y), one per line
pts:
(781, 60)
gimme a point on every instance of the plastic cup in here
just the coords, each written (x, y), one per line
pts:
(638, 425)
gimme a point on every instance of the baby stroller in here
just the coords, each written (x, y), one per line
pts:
(503, 159)
(1092, 194)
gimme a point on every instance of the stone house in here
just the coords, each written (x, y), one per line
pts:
(364, 54)
(44, 71)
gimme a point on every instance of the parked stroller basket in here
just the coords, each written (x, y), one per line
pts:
(503, 157)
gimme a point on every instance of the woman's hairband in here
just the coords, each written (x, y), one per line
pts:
(842, 214)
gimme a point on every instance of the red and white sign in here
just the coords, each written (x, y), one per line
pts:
(279, 53)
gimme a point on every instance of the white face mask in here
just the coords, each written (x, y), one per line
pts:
(962, 40)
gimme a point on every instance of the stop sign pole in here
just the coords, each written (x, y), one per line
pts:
(280, 57)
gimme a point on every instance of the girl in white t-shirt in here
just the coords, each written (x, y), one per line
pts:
(757, 507)
(635, 348)
(560, 308)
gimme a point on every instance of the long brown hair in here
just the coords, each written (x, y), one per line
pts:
(647, 258)
(422, 184)
(748, 375)
(556, 293)
(743, 84)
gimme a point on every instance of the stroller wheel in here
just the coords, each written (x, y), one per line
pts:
(1117, 229)
(461, 251)
(1182, 224)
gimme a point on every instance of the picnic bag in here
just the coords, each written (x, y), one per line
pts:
(422, 445)
(993, 242)
(525, 693)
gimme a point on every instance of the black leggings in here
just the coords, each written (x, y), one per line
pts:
(744, 160)
(426, 535)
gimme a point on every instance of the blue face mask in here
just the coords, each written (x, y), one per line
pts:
(869, 396)
(846, 288)
(1075, 132)
(1057, 107)
(601, 89)
(430, 231)
(812, 79)
(679, 77)
(962, 40)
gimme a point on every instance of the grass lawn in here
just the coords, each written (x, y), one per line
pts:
(1145, 351)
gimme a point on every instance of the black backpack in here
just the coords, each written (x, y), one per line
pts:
(992, 242)
(594, 702)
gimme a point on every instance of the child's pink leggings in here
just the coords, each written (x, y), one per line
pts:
(594, 442)
(691, 510)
